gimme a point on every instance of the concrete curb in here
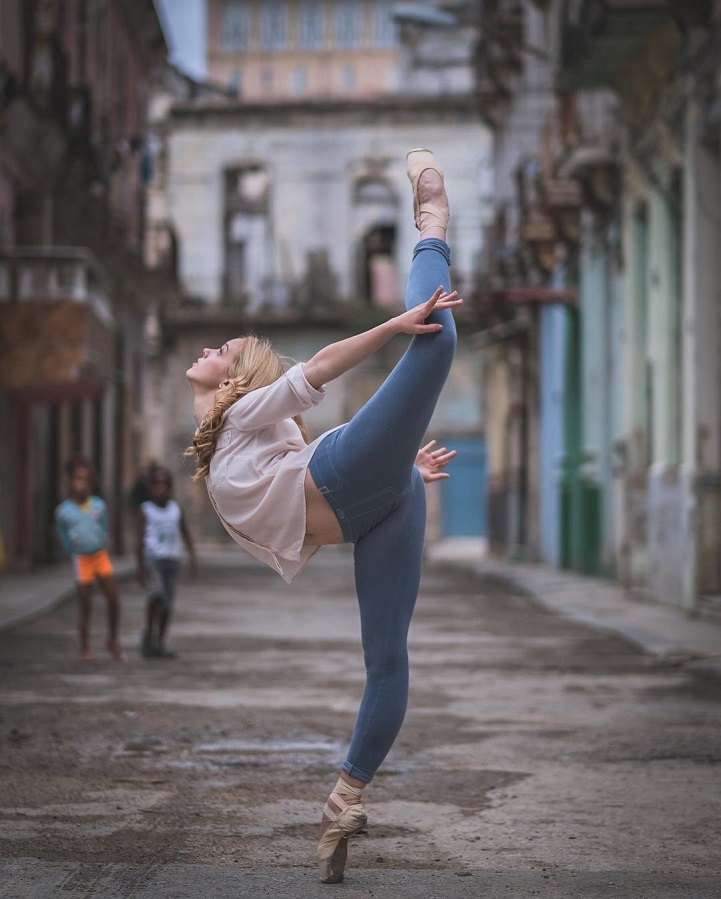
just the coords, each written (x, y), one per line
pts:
(124, 571)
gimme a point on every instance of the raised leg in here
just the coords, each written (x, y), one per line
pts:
(376, 450)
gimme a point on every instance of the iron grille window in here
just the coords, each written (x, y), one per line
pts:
(348, 25)
(235, 27)
(384, 28)
(310, 25)
(273, 25)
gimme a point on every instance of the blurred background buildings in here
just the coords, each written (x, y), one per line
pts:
(148, 210)
(74, 289)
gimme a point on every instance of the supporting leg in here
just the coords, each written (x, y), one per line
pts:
(388, 564)
(387, 569)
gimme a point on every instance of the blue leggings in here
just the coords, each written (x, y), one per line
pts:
(366, 472)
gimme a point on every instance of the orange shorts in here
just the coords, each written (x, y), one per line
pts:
(95, 564)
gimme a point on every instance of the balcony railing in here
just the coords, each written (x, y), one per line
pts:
(46, 274)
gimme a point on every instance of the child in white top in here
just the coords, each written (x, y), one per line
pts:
(161, 532)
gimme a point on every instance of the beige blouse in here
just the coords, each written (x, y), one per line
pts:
(257, 474)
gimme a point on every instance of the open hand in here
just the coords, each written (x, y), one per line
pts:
(431, 462)
(414, 320)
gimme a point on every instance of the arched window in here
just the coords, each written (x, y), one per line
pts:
(247, 192)
(375, 213)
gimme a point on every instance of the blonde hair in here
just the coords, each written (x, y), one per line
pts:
(255, 365)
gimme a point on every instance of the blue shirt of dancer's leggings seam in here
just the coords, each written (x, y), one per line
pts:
(82, 529)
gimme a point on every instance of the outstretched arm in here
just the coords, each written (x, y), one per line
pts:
(337, 358)
(431, 462)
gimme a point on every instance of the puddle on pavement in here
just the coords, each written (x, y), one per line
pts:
(233, 753)
(272, 746)
(277, 753)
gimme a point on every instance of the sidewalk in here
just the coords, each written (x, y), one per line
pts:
(657, 629)
(661, 630)
(30, 594)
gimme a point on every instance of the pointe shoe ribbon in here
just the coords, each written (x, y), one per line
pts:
(333, 846)
(417, 161)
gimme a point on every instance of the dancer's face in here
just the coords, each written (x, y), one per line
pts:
(211, 369)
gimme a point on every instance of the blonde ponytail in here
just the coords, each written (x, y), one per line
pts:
(256, 365)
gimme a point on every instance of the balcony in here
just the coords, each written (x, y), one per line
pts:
(56, 319)
(601, 38)
(581, 153)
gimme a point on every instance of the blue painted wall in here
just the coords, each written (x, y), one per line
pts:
(464, 493)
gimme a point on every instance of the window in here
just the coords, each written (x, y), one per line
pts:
(299, 80)
(384, 28)
(348, 24)
(266, 80)
(310, 25)
(348, 78)
(235, 80)
(273, 25)
(247, 191)
(235, 27)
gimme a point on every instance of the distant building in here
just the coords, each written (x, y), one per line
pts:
(279, 50)
(289, 208)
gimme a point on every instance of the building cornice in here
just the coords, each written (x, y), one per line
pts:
(396, 108)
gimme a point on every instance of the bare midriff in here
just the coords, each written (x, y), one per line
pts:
(321, 525)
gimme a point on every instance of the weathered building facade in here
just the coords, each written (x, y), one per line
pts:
(625, 178)
(73, 286)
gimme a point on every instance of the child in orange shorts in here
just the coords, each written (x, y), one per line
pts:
(81, 522)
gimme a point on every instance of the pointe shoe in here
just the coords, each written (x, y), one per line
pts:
(417, 161)
(333, 846)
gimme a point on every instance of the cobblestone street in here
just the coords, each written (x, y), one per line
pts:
(539, 757)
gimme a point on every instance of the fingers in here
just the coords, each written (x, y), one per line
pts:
(442, 299)
(435, 459)
(441, 457)
(437, 294)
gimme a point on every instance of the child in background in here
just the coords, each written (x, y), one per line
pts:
(161, 532)
(81, 522)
